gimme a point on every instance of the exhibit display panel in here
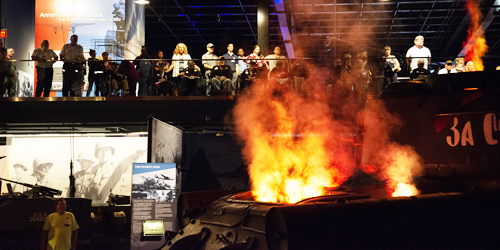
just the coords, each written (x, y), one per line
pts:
(101, 164)
(154, 199)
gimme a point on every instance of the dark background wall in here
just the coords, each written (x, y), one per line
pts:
(212, 163)
(18, 17)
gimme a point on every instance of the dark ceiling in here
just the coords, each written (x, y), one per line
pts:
(321, 28)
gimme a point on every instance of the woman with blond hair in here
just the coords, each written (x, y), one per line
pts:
(180, 60)
(459, 67)
(469, 67)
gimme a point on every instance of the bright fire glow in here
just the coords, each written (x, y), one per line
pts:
(478, 47)
(288, 145)
(403, 189)
(402, 164)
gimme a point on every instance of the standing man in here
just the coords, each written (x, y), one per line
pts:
(300, 72)
(273, 59)
(72, 55)
(232, 61)
(145, 70)
(242, 66)
(60, 230)
(209, 60)
(44, 70)
(417, 52)
(11, 77)
(93, 77)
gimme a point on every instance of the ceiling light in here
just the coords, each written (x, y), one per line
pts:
(141, 1)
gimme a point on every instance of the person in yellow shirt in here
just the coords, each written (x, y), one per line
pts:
(60, 230)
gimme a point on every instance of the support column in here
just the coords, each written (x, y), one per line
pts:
(263, 26)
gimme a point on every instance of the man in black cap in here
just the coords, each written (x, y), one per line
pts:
(448, 68)
(221, 78)
(191, 77)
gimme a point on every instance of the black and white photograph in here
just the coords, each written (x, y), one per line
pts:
(101, 165)
(157, 185)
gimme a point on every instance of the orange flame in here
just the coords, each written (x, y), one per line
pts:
(289, 145)
(390, 161)
(475, 36)
(402, 163)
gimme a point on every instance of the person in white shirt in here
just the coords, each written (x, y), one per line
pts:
(180, 60)
(271, 64)
(72, 55)
(417, 52)
(448, 68)
(44, 70)
(209, 60)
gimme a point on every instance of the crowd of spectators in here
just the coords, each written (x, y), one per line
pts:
(230, 74)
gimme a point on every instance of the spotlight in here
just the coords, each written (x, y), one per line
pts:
(141, 1)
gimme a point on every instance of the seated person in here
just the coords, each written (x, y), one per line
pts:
(447, 68)
(459, 67)
(280, 75)
(128, 69)
(221, 78)
(102, 66)
(117, 80)
(163, 85)
(278, 70)
(420, 73)
(247, 77)
(191, 80)
(469, 67)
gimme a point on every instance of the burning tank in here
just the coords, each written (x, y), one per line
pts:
(340, 221)
(445, 153)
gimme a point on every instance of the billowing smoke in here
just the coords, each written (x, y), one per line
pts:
(296, 141)
(396, 164)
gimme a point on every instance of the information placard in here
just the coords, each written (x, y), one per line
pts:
(153, 198)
